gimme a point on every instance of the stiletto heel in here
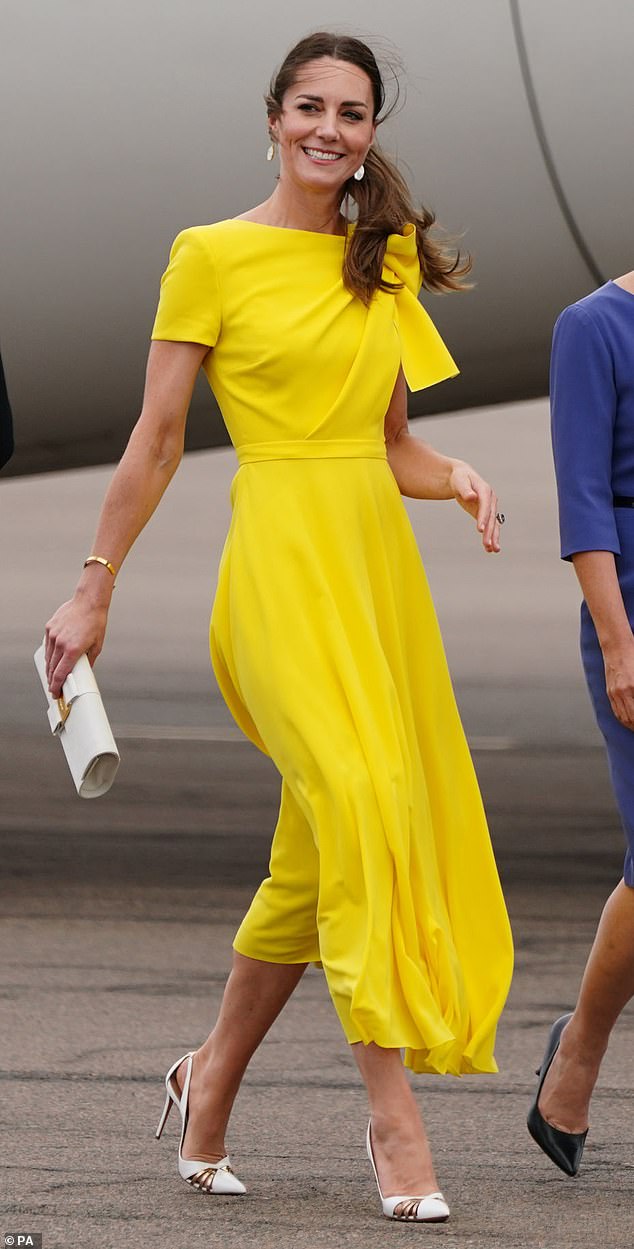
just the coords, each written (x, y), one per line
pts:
(432, 1208)
(563, 1148)
(163, 1119)
(207, 1177)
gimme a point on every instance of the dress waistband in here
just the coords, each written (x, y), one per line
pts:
(622, 500)
(313, 449)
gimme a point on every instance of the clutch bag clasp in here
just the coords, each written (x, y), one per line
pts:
(64, 710)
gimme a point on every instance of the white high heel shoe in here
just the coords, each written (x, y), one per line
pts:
(432, 1208)
(208, 1177)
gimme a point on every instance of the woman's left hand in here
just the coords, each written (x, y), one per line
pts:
(477, 498)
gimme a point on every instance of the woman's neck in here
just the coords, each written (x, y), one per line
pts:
(626, 281)
(295, 209)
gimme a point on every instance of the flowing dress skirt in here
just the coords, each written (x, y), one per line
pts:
(326, 646)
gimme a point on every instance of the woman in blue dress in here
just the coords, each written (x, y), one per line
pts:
(592, 404)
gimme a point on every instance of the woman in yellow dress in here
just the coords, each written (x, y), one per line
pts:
(324, 638)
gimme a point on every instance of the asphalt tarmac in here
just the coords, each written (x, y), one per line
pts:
(118, 914)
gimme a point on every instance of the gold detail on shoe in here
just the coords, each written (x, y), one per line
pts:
(407, 1210)
(204, 1180)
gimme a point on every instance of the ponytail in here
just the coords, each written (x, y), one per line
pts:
(385, 206)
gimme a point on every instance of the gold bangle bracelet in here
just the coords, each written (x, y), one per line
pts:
(99, 559)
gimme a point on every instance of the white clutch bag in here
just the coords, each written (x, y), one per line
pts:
(80, 722)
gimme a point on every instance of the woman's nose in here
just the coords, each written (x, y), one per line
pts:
(328, 127)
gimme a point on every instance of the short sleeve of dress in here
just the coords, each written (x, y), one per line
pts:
(189, 302)
(583, 405)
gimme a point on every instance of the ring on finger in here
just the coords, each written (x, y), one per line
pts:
(500, 518)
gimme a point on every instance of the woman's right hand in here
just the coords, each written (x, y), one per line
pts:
(599, 583)
(619, 682)
(77, 628)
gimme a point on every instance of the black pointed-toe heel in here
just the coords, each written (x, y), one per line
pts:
(563, 1148)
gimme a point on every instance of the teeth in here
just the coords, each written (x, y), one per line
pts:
(319, 155)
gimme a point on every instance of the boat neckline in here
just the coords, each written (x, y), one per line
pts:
(264, 225)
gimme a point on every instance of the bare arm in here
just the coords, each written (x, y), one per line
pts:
(422, 473)
(596, 571)
(148, 464)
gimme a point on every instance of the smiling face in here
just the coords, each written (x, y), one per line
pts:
(326, 124)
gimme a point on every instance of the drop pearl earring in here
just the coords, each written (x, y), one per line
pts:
(358, 173)
(270, 152)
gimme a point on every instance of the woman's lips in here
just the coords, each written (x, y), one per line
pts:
(320, 154)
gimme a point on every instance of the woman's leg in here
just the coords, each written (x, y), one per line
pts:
(607, 985)
(399, 1142)
(253, 998)
(278, 938)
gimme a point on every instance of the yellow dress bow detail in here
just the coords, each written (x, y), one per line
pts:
(425, 358)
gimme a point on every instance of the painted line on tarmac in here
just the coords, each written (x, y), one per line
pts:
(495, 743)
(180, 733)
(231, 733)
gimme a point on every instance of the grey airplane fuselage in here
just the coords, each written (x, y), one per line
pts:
(124, 123)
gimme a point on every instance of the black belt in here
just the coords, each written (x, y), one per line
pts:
(622, 500)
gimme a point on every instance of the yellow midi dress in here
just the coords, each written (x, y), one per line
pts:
(326, 647)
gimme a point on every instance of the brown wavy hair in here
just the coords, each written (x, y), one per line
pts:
(383, 199)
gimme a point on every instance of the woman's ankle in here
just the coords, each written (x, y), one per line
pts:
(402, 1155)
(582, 1044)
(401, 1118)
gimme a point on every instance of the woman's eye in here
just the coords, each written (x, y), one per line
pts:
(354, 116)
(307, 108)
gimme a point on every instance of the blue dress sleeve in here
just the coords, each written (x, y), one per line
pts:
(583, 411)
